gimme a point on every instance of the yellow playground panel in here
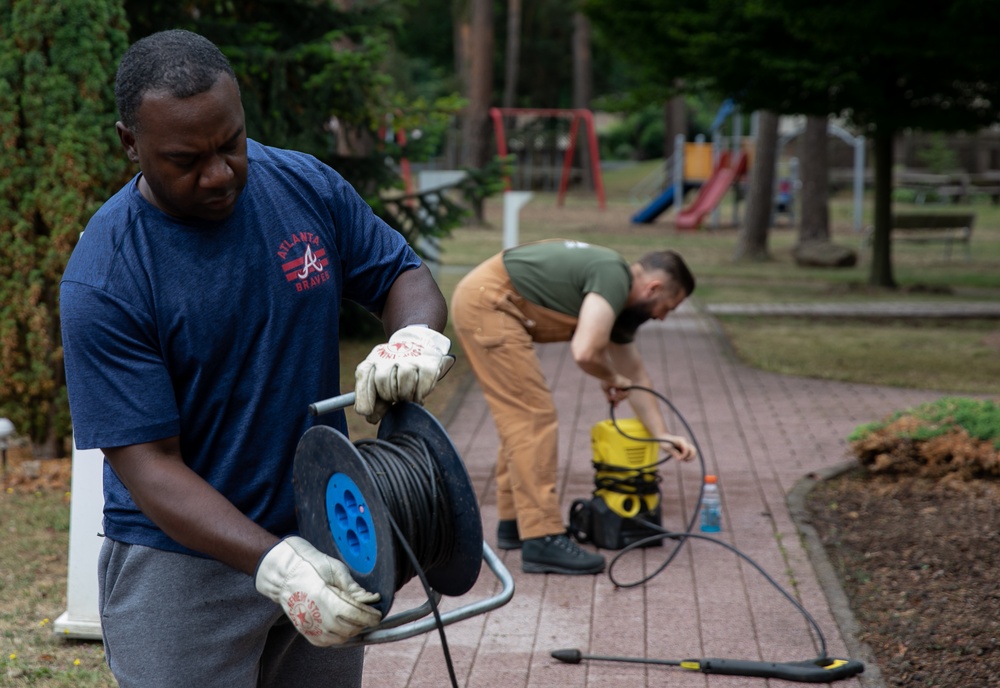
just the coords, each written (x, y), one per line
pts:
(697, 161)
(698, 164)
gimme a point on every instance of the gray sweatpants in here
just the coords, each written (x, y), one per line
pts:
(173, 620)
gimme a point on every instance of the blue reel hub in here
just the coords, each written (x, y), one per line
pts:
(350, 522)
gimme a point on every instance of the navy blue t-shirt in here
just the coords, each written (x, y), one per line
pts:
(221, 333)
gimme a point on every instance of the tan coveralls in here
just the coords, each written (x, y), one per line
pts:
(498, 328)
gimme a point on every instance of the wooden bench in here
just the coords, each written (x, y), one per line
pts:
(946, 228)
(926, 186)
(987, 184)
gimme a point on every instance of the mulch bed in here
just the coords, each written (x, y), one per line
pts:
(919, 560)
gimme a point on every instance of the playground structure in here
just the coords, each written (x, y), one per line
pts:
(711, 168)
(725, 173)
(539, 141)
(695, 163)
(731, 163)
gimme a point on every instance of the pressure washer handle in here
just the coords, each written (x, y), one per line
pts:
(815, 671)
(332, 404)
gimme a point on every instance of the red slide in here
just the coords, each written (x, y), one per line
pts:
(711, 193)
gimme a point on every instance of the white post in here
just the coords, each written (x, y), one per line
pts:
(86, 511)
(513, 201)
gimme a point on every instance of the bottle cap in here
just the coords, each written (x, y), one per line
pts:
(710, 479)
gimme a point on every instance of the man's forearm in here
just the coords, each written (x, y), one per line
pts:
(645, 405)
(647, 409)
(189, 510)
(414, 298)
(599, 367)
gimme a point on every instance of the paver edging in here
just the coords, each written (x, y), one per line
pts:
(840, 608)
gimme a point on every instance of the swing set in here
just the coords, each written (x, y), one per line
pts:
(523, 146)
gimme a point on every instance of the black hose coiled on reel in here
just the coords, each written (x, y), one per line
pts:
(409, 482)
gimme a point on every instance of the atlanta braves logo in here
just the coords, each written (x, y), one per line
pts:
(305, 614)
(304, 260)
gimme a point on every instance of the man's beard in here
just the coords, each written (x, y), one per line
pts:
(633, 316)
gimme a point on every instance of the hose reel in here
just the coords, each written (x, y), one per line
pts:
(358, 504)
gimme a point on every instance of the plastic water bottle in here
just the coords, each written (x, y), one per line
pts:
(711, 507)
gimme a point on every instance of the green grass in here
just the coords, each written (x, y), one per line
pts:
(979, 418)
(34, 550)
(954, 355)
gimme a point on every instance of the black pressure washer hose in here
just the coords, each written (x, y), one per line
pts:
(823, 669)
(424, 527)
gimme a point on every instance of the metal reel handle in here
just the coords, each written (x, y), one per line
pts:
(405, 624)
(332, 404)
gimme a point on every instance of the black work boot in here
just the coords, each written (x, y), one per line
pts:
(507, 536)
(558, 554)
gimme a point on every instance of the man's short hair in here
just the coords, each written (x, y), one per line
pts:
(673, 265)
(178, 62)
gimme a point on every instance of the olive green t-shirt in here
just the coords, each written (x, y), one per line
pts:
(559, 273)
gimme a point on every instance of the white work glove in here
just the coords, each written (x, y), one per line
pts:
(404, 369)
(316, 592)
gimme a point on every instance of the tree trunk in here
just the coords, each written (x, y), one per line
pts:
(460, 39)
(355, 142)
(352, 141)
(752, 243)
(583, 82)
(881, 264)
(475, 141)
(814, 218)
(675, 121)
(460, 34)
(476, 128)
(583, 87)
(513, 59)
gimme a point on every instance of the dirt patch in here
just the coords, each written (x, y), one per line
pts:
(919, 561)
(26, 474)
(992, 340)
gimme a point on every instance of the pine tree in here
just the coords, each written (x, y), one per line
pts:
(59, 160)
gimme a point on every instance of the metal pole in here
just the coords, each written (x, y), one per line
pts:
(678, 171)
(737, 146)
(332, 404)
(716, 155)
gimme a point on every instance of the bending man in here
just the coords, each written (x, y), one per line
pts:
(557, 291)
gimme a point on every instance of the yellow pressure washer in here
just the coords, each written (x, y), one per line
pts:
(626, 487)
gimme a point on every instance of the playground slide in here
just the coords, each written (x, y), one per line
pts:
(723, 177)
(658, 205)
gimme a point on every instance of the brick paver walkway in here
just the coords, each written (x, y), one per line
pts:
(761, 433)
